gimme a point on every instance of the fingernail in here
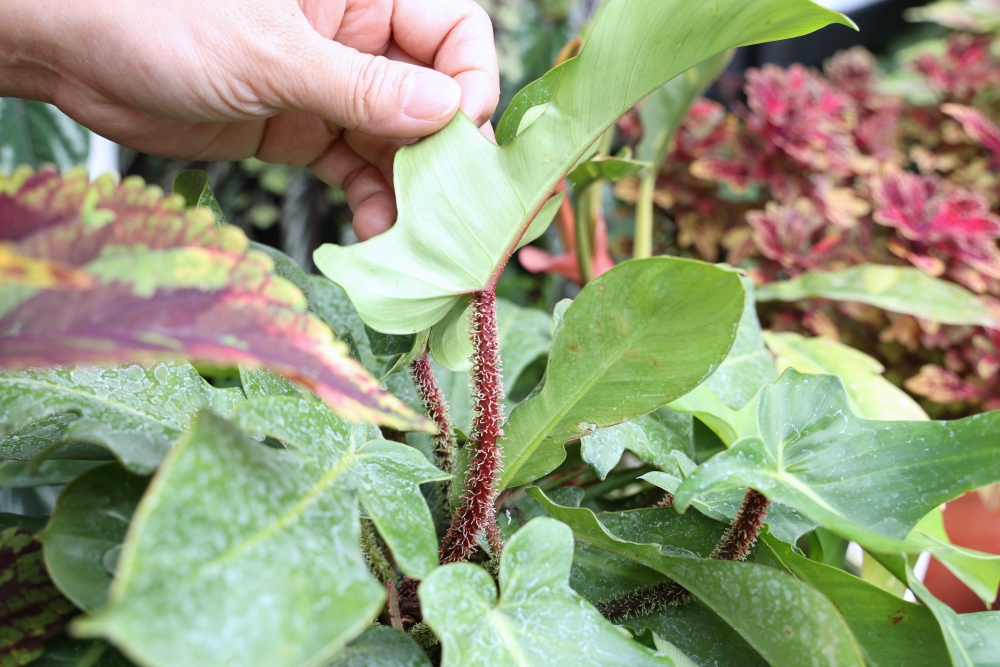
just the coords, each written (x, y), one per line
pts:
(430, 96)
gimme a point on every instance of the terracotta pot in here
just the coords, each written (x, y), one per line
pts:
(969, 524)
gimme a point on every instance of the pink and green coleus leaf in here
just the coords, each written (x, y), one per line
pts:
(465, 203)
(165, 283)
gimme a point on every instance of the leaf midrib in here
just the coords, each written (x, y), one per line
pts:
(585, 388)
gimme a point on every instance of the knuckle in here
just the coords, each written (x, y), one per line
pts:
(370, 82)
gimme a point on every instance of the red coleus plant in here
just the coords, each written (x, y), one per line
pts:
(821, 171)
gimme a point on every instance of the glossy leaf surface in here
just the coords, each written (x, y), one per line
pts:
(464, 202)
(869, 481)
(168, 284)
(538, 619)
(636, 338)
(261, 552)
(84, 536)
(890, 631)
(894, 288)
(869, 394)
(653, 438)
(384, 475)
(788, 623)
(136, 413)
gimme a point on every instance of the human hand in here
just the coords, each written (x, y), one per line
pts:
(336, 85)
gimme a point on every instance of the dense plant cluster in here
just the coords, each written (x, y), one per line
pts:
(388, 464)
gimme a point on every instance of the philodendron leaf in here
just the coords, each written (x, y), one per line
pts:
(538, 619)
(260, 549)
(636, 338)
(897, 289)
(789, 623)
(868, 393)
(869, 481)
(464, 202)
(604, 168)
(84, 536)
(36, 133)
(386, 476)
(167, 284)
(891, 632)
(973, 639)
(31, 609)
(136, 413)
(381, 646)
(653, 438)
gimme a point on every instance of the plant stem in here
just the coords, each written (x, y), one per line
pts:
(743, 532)
(476, 513)
(392, 605)
(643, 601)
(584, 234)
(616, 481)
(642, 244)
(436, 407)
(371, 550)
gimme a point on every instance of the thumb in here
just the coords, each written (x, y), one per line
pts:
(371, 94)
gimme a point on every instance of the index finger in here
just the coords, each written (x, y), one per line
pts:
(456, 38)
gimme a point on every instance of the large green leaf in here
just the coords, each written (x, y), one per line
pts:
(894, 288)
(379, 646)
(36, 133)
(636, 338)
(464, 202)
(86, 531)
(156, 281)
(239, 554)
(538, 619)
(134, 412)
(891, 632)
(973, 639)
(24, 474)
(869, 481)
(789, 623)
(868, 393)
(385, 475)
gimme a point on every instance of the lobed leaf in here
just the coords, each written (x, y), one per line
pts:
(464, 202)
(636, 338)
(869, 394)
(386, 476)
(870, 481)
(260, 547)
(167, 284)
(897, 289)
(537, 619)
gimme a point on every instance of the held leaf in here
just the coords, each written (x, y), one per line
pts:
(464, 202)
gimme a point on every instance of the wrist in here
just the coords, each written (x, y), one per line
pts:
(27, 62)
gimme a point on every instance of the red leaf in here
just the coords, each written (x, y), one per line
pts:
(166, 282)
(980, 128)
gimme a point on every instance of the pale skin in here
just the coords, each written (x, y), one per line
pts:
(335, 85)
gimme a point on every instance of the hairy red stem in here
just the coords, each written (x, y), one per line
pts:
(743, 532)
(437, 410)
(476, 514)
